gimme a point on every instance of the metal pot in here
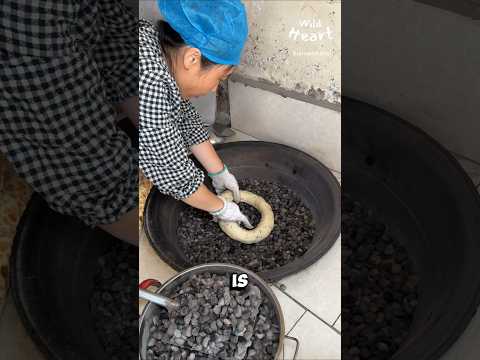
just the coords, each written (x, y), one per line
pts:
(152, 309)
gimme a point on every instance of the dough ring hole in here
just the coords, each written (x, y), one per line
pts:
(261, 231)
(251, 213)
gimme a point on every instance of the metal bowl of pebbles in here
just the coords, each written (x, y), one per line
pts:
(213, 320)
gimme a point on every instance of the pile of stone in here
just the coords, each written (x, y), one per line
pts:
(202, 241)
(114, 302)
(214, 322)
(379, 286)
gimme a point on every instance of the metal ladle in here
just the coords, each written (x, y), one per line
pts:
(155, 298)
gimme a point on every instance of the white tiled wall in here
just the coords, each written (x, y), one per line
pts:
(148, 9)
(206, 107)
(271, 117)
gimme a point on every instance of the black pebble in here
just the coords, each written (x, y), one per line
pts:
(379, 286)
(114, 302)
(203, 241)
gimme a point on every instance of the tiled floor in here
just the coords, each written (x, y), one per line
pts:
(466, 347)
(318, 288)
(317, 341)
(338, 323)
(471, 167)
(14, 194)
(14, 340)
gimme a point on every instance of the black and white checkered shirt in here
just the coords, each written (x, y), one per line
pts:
(169, 125)
(64, 65)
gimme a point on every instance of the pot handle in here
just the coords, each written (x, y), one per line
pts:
(147, 283)
(297, 345)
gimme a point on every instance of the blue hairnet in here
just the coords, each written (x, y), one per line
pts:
(218, 28)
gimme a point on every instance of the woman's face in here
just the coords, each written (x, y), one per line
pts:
(192, 78)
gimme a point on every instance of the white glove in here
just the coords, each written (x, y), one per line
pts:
(224, 180)
(231, 213)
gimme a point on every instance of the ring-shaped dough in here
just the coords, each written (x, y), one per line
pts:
(264, 227)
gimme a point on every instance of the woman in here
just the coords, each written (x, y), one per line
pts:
(187, 55)
(66, 69)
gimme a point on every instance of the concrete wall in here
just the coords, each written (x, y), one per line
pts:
(311, 68)
(267, 116)
(148, 9)
(295, 45)
(437, 87)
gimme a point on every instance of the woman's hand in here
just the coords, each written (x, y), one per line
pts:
(225, 180)
(231, 213)
(221, 209)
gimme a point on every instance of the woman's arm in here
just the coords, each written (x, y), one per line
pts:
(196, 137)
(208, 157)
(163, 156)
(204, 199)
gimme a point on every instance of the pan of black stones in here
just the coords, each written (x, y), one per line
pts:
(303, 193)
(401, 183)
(213, 321)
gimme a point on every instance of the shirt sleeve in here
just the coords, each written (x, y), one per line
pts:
(163, 154)
(191, 126)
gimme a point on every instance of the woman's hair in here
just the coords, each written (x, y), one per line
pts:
(170, 41)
